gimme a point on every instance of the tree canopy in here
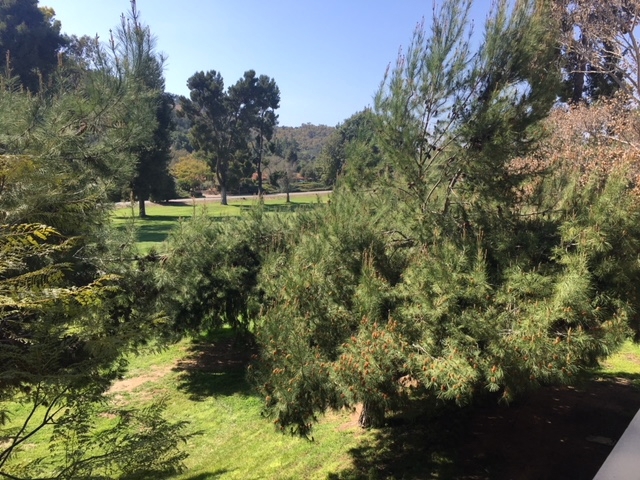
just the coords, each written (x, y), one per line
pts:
(29, 41)
(599, 47)
(73, 295)
(450, 279)
(134, 45)
(232, 127)
(353, 139)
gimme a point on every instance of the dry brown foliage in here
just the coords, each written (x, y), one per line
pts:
(588, 140)
(602, 37)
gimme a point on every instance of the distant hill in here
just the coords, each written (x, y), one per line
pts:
(306, 142)
(300, 145)
(307, 137)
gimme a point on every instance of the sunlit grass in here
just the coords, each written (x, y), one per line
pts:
(625, 363)
(152, 230)
(234, 441)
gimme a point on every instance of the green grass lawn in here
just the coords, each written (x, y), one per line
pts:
(161, 219)
(233, 440)
(625, 363)
(204, 383)
(236, 442)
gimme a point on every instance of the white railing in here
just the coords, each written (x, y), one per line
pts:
(623, 463)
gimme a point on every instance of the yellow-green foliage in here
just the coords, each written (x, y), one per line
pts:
(190, 172)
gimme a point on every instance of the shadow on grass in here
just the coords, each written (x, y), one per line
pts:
(156, 228)
(216, 367)
(418, 446)
(139, 221)
(621, 377)
(154, 232)
(171, 220)
(209, 475)
(282, 207)
(152, 228)
(185, 202)
(554, 433)
(161, 218)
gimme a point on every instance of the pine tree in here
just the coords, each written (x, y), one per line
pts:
(72, 300)
(216, 129)
(134, 45)
(30, 40)
(449, 281)
(233, 127)
(266, 100)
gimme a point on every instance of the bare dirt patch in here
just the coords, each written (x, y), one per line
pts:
(632, 358)
(130, 384)
(216, 368)
(217, 357)
(347, 417)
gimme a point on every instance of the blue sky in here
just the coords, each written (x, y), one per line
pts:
(327, 56)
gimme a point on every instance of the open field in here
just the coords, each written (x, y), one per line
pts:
(162, 218)
(205, 384)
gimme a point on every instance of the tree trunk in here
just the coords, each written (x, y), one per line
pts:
(221, 176)
(372, 415)
(142, 210)
(223, 195)
(288, 201)
(259, 169)
(578, 85)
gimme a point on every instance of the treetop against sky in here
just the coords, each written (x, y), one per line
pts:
(327, 56)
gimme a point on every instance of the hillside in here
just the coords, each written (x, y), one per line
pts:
(302, 146)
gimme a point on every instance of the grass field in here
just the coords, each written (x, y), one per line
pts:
(624, 364)
(161, 219)
(203, 382)
(204, 385)
(233, 441)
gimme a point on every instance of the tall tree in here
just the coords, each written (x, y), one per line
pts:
(30, 40)
(180, 136)
(351, 150)
(222, 121)
(135, 46)
(72, 300)
(442, 283)
(213, 126)
(266, 100)
(288, 172)
(600, 47)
